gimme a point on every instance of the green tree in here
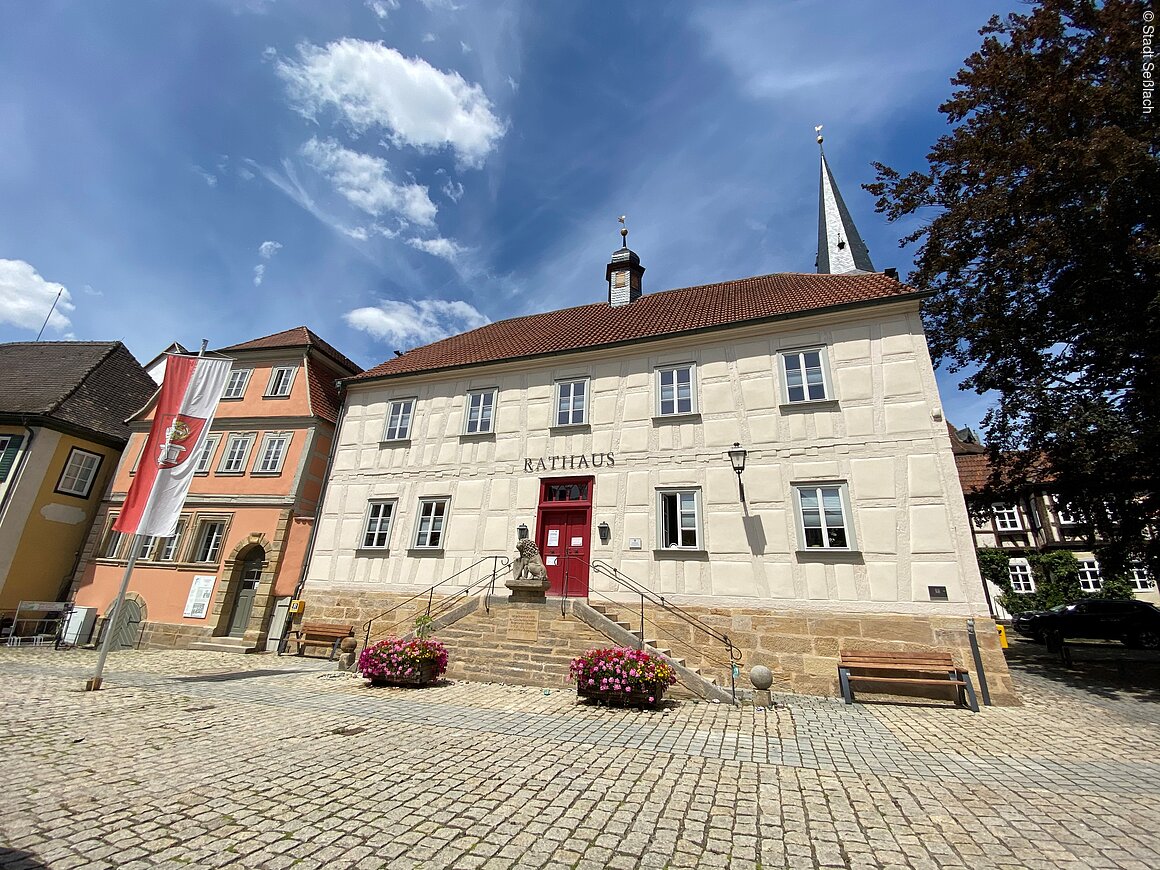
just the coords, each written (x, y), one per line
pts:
(1043, 251)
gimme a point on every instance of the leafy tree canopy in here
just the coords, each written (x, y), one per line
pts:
(1042, 250)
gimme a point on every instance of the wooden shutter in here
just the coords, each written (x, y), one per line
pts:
(8, 455)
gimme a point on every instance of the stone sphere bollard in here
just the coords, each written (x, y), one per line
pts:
(346, 658)
(762, 679)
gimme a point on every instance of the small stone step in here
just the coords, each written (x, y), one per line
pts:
(224, 644)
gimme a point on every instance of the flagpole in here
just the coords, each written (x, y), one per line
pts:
(94, 682)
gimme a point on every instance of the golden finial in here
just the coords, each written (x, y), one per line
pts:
(818, 130)
(623, 231)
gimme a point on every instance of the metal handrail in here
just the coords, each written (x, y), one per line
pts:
(498, 564)
(606, 570)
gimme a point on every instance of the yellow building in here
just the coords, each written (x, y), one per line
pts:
(63, 407)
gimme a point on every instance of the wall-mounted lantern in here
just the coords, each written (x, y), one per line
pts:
(522, 532)
(605, 533)
(737, 460)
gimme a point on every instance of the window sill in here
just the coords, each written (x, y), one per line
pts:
(689, 417)
(279, 396)
(829, 554)
(808, 406)
(231, 398)
(395, 442)
(477, 436)
(373, 552)
(674, 553)
(420, 552)
(277, 473)
(230, 473)
(570, 429)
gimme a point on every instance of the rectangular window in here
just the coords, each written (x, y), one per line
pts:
(273, 453)
(1006, 517)
(112, 544)
(205, 458)
(145, 547)
(167, 547)
(399, 414)
(675, 394)
(432, 518)
(281, 379)
(480, 411)
(1139, 577)
(208, 543)
(1066, 517)
(235, 455)
(679, 514)
(825, 522)
(571, 403)
(377, 530)
(236, 385)
(1089, 575)
(79, 473)
(1020, 573)
(805, 376)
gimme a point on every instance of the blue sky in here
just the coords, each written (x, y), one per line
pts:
(389, 171)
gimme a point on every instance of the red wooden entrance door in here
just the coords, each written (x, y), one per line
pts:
(564, 534)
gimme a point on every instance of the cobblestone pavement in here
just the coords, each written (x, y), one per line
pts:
(210, 760)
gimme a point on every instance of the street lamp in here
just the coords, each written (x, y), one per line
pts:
(522, 532)
(737, 460)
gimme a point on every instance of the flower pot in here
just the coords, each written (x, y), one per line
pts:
(426, 673)
(629, 698)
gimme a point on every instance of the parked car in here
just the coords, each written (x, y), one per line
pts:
(1136, 623)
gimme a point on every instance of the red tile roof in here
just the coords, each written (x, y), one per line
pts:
(657, 315)
(299, 336)
(974, 471)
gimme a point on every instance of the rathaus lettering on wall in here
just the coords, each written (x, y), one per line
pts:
(571, 462)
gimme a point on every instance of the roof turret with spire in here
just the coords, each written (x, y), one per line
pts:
(624, 272)
(840, 248)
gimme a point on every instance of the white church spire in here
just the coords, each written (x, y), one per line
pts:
(840, 248)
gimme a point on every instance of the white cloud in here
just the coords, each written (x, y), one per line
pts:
(513, 84)
(417, 320)
(438, 247)
(453, 190)
(364, 180)
(428, 37)
(206, 176)
(266, 250)
(372, 85)
(269, 53)
(259, 274)
(25, 298)
(382, 8)
(464, 47)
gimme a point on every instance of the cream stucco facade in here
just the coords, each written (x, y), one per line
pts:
(878, 438)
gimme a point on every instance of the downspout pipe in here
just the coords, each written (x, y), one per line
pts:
(321, 496)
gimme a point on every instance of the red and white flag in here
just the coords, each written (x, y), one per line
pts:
(181, 421)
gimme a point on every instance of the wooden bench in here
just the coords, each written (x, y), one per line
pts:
(900, 668)
(317, 634)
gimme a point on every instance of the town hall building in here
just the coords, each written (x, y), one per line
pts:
(767, 455)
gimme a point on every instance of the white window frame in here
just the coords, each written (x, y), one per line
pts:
(473, 415)
(824, 370)
(236, 437)
(1090, 579)
(374, 524)
(276, 381)
(114, 538)
(146, 547)
(262, 457)
(1021, 576)
(1006, 517)
(237, 383)
(680, 499)
(659, 386)
(1062, 515)
(393, 429)
(208, 451)
(201, 539)
(818, 490)
(1140, 578)
(431, 523)
(84, 474)
(566, 405)
(168, 547)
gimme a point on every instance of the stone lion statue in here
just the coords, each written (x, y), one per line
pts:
(529, 565)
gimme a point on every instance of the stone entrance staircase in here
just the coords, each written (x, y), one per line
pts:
(606, 619)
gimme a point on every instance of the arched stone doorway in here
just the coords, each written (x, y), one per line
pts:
(247, 577)
(125, 622)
